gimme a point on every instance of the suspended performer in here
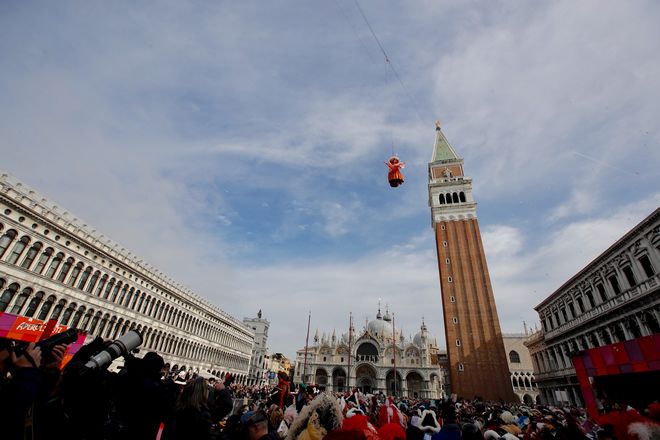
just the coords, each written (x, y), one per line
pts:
(395, 176)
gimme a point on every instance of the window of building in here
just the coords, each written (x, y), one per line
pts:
(74, 274)
(580, 304)
(443, 227)
(18, 249)
(514, 357)
(563, 313)
(452, 299)
(571, 309)
(444, 244)
(43, 313)
(65, 269)
(84, 277)
(590, 298)
(646, 265)
(630, 276)
(614, 283)
(6, 240)
(92, 282)
(449, 279)
(461, 196)
(461, 367)
(601, 292)
(7, 296)
(454, 320)
(441, 199)
(446, 260)
(20, 301)
(34, 303)
(458, 342)
(43, 258)
(30, 255)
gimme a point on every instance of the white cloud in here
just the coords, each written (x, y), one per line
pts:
(150, 125)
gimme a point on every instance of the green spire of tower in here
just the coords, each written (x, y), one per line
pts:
(442, 150)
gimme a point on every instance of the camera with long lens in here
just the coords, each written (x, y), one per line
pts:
(121, 347)
(66, 337)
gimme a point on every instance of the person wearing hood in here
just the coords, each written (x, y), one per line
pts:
(450, 429)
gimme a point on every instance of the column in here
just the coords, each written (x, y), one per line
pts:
(546, 360)
(567, 361)
(642, 328)
(612, 336)
(559, 357)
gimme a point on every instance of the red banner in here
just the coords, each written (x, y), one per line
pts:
(21, 328)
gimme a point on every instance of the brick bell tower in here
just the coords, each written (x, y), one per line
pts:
(477, 360)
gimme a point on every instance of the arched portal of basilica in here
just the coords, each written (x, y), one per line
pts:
(366, 380)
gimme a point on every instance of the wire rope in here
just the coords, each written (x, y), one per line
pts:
(389, 63)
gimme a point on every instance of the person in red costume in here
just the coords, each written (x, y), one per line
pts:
(284, 389)
(395, 176)
(389, 413)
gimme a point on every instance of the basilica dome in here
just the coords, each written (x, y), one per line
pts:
(417, 339)
(380, 328)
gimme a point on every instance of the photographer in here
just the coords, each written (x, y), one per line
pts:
(27, 377)
(147, 400)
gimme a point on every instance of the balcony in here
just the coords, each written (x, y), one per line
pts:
(562, 372)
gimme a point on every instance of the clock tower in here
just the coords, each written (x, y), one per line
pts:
(477, 360)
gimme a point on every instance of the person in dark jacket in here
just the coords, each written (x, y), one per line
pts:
(33, 377)
(147, 400)
(221, 402)
(192, 419)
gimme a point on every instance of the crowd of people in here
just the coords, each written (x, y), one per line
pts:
(145, 400)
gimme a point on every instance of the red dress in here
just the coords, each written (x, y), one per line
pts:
(395, 176)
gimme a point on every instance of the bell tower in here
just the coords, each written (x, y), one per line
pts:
(477, 361)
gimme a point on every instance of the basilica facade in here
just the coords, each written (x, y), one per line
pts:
(379, 358)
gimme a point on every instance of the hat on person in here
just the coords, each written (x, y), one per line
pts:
(507, 417)
(253, 418)
(428, 422)
(360, 422)
(246, 415)
(353, 412)
(322, 414)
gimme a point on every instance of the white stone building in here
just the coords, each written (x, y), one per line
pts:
(52, 266)
(372, 353)
(615, 298)
(256, 373)
(521, 367)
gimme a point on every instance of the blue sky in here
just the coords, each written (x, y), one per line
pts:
(239, 146)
